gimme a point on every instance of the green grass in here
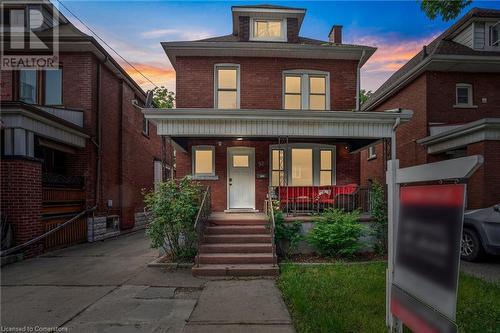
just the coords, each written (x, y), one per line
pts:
(351, 298)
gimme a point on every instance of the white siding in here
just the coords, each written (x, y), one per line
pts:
(465, 37)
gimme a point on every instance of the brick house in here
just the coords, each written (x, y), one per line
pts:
(452, 87)
(72, 139)
(264, 112)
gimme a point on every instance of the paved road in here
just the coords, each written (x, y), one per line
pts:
(107, 287)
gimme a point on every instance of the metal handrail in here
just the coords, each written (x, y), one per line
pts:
(270, 211)
(48, 233)
(201, 218)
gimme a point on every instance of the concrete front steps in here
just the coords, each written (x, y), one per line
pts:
(236, 247)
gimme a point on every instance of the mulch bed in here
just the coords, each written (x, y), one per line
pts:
(315, 258)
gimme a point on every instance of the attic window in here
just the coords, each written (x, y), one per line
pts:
(268, 30)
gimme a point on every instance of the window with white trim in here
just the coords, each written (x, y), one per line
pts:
(372, 152)
(307, 90)
(203, 161)
(326, 169)
(277, 167)
(302, 167)
(463, 95)
(227, 86)
(268, 30)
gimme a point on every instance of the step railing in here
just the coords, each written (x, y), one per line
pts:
(200, 223)
(272, 223)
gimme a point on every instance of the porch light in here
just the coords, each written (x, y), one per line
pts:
(239, 139)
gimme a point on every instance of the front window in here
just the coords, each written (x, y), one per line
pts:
(28, 86)
(306, 90)
(227, 87)
(270, 30)
(464, 94)
(302, 167)
(277, 167)
(203, 161)
(326, 170)
(53, 87)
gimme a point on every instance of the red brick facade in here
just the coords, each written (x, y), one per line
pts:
(127, 154)
(347, 168)
(21, 199)
(432, 98)
(261, 81)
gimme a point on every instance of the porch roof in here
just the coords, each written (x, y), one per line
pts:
(274, 123)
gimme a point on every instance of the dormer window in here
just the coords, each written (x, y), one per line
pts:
(268, 30)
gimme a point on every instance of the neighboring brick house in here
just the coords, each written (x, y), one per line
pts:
(264, 111)
(452, 88)
(72, 139)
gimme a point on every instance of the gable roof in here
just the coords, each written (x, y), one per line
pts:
(441, 45)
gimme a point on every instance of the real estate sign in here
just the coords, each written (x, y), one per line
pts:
(427, 254)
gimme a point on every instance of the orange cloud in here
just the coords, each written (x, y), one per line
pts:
(159, 74)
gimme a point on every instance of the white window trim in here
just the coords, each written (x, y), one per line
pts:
(487, 31)
(305, 74)
(372, 153)
(470, 104)
(216, 82)
(284, 33)
(317, 148)
(203, 176)
(145, 126)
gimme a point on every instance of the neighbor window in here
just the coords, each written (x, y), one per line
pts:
(203, 161)
(372, 153)
(277, 167)
(494, 34)
(463, 94)
(306, 90)
(28, 79)
(302, 167)
(326, 163)
(271, 30)
(227, 87)
(53, 87)
(145, 125)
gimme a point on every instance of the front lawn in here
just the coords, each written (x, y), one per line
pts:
(351, 298)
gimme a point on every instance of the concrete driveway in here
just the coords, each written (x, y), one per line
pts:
(98, 287)
(107, 287)
(487, 269)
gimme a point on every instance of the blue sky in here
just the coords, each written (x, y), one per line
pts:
(135, 29)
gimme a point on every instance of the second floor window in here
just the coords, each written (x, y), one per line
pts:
(40, 87)
(463, 95)
(309, 91)
(227, 87)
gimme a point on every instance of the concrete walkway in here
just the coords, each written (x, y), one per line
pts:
(107, 287)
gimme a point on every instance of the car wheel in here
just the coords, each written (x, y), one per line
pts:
(471, 248)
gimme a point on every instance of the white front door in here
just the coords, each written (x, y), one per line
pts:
(241, 177)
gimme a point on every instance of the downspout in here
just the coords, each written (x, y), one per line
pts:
(358, 81)
(393, 138)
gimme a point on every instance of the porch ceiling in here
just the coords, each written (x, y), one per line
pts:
(211, 123)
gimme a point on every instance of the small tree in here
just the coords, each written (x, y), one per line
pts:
(364, 96)
(447, 9)
(172, 210)
(378, 206)
(163, 98)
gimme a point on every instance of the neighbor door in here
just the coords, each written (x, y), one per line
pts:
(241, 178)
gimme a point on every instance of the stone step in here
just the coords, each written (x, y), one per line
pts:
(237, 238)
(236, 248)
(236, 270)
(237, 229)
(239, 222)
(235, 258)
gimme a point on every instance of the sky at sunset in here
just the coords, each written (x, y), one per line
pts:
(135, 29)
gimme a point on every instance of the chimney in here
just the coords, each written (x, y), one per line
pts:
(335, 35)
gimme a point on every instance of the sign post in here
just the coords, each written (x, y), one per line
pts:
(425, 227)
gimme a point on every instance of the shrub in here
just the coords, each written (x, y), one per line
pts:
(336, 233)
(379, 215)
(286, 235)
(172, 209)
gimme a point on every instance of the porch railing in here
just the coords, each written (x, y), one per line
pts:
(272, 223)
(200, 223)
(307, 200)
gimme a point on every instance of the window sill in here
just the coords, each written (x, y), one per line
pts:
(371, 157)
(463, 106)
(145, 134)
(207, 177)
